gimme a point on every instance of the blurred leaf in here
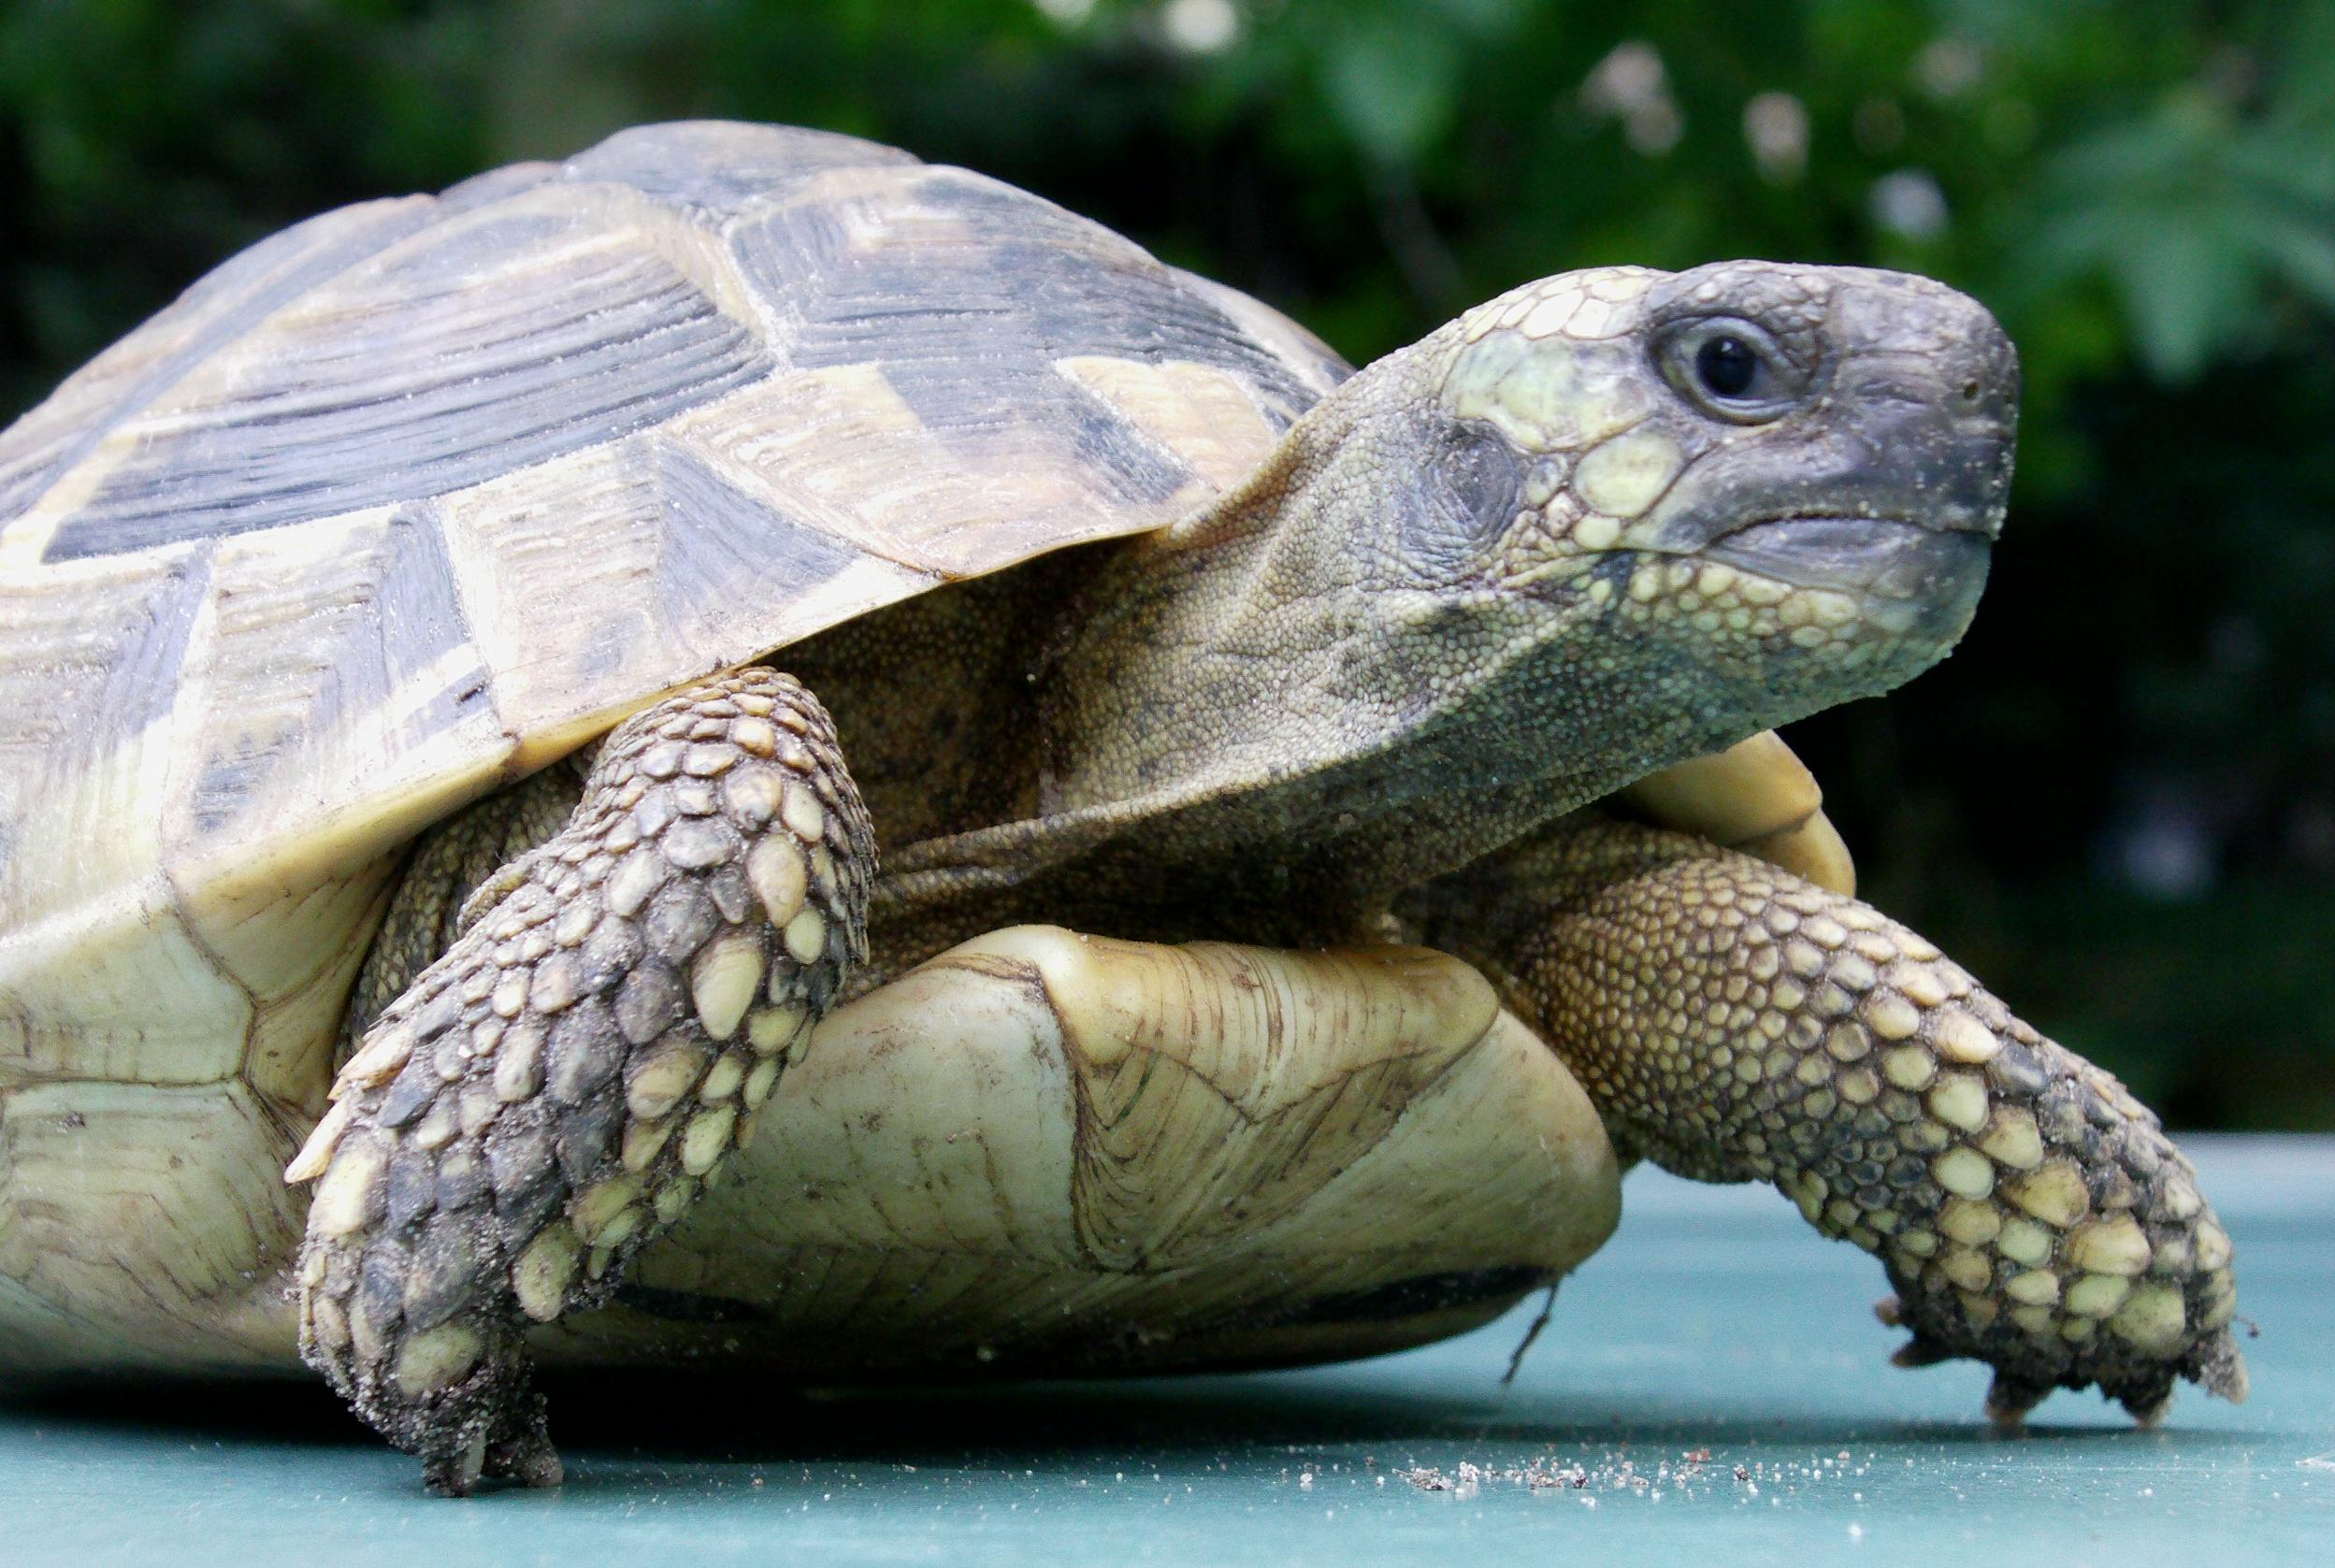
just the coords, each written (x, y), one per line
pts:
(2186, 286)
(1390, 86)
(1484, 19)
(2302, 250)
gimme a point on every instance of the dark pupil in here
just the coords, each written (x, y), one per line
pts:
(1727, 365)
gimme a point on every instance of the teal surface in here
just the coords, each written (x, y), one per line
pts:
(1711, 1388)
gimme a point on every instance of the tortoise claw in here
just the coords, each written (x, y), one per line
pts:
(527, 1457)
(2222, 1369)
(2009, 1399)
(1918, 1353)
(455, 1471)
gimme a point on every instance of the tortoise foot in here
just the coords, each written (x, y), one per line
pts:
(562, 1083)
(1735, 1021)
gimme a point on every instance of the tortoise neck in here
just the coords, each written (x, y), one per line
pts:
(1196, 662)
(1267, 723)
(1272, 686)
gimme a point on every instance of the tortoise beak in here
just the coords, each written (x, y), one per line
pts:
(1908, 576)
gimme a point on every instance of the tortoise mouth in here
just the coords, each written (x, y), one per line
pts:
(1920, 564)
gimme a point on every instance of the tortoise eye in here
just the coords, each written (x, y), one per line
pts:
(1727, 367)
(1731, 371)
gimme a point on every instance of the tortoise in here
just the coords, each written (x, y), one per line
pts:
(1331, 822)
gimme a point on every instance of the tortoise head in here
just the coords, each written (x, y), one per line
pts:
(1607, 522)
(1788, 478)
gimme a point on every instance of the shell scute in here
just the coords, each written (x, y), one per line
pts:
(54, 439)
(492, 341)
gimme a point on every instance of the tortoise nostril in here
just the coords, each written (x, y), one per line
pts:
(1970, 392)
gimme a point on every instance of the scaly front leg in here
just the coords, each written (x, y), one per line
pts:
(560, 1086)
(1734, 1022)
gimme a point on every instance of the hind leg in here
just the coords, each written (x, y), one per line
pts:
(559, 1086)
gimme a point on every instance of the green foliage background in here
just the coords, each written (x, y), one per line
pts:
(2114, 802)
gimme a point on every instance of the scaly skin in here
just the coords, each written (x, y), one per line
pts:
(1736, 1023)
(558, 1089)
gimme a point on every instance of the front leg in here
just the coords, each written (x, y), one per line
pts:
(1734, 1022)
(561, 1084)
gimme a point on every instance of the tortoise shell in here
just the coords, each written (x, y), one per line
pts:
(402, 504)
(416, 496)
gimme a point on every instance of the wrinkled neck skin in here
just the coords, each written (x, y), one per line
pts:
(1269, 720)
